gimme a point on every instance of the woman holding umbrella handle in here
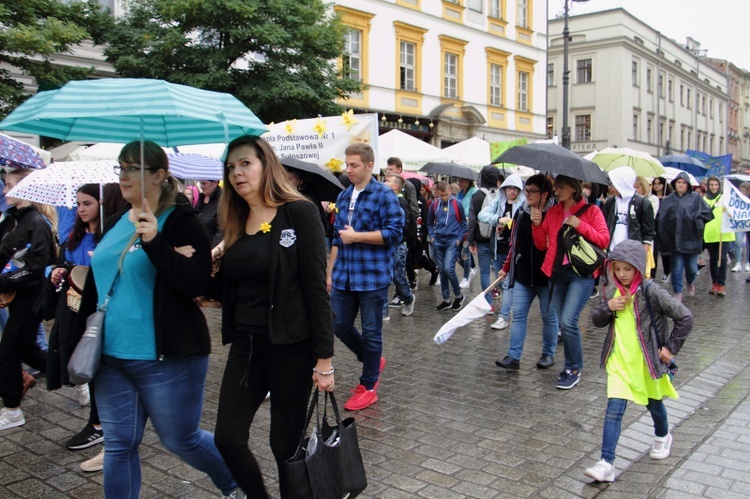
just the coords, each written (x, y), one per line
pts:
(570, 291)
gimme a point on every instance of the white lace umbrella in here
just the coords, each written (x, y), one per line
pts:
(57, 184)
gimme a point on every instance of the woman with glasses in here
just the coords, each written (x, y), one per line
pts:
(523, 268)
(570, 291)
(660, 189)
(156, 340)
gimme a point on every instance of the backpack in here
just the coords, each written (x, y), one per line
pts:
(485, 230)
(584, 257)
(410, 224)
(456, 208)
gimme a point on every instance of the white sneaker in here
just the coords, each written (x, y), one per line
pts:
(7, 421)
(500, 323)
(96, 463)
(661, 447)
(601, 471)
(409, 307)
(464, 283)
(737, 268)
(472, 273)
(84, 397)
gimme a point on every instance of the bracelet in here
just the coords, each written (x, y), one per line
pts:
(325, 373)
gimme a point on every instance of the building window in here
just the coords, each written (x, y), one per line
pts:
(523, 13)
(711, 151)
(496, 9)
(648, 130)
(450, 76)
(689, 105)
(635, 127)
(661, 132)
(682, 95)
(634, 73)
(661, 86)
(689, 138)
(523, 91)
(682, 139)
(703, 104)
(583, 127)
(476, 5)
(648, 80)
(721, 114)
(711, 107)
(496, 85)
(551, 74)
(670, 90)
(550, 128)
(407, 69)
(353, 54)
(583, 67)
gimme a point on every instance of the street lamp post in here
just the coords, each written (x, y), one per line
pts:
(566, 74)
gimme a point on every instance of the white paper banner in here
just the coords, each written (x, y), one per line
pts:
(323, 140)
(736, 215)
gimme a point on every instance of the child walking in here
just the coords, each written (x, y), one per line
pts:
(637, 351)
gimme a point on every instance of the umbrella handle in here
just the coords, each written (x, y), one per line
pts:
(492, 285)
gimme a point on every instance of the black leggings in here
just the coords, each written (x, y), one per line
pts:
(285, 371)
(718, 273)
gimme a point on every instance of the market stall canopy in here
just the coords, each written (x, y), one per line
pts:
(473, 152)
(412, 152)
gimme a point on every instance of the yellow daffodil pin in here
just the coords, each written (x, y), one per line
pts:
(265, 227)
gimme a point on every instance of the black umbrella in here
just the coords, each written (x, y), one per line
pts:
(451, 169)
(320, 184)
(552, 158)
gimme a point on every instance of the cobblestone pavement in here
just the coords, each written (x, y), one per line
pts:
(450, 424)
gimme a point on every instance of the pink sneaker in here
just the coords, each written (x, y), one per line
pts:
(361, 399)
(690, 288)
(377, 383)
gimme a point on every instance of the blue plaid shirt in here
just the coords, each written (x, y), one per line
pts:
(367, 267)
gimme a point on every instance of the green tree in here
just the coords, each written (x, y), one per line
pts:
(276, 56)
(33, 32)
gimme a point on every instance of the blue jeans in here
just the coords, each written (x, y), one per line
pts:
(403, 290)
(507, 303)
(570, 294)
(367, 345)
(445, 258)
(683, 262)
(486, 265)
(170, 392)
(523, 296)
(613, 424)
(740, 243)
(465, 260)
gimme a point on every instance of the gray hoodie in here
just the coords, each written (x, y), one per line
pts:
(663, 306)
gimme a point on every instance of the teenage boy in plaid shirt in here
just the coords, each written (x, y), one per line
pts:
(367, 229)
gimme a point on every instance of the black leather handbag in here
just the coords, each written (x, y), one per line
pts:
(327, 464)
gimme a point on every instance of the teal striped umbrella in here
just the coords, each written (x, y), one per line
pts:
(125, 109)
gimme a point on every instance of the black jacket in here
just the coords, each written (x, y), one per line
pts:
(640, 218)
(21, 227)
(682, 220)
(300, 306)
(180, 325)
(209, 214)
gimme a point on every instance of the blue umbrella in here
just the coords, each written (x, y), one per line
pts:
(685, 163)
(15, 154)
(124, 109)
(195, 166)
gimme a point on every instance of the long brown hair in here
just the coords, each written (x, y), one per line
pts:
(275, 189)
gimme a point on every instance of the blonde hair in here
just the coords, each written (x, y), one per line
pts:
(275, 189)
(645, 185)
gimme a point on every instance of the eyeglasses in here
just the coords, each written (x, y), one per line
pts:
(531, 191)
(129, 169)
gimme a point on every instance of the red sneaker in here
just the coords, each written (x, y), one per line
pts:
(720, 290)
(361, 399)
(714, 289)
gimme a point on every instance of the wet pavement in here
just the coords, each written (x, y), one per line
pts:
(450, 424)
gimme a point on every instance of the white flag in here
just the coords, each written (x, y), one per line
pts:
(736, 213)
(478, 307)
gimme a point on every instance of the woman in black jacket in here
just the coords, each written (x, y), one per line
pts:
(276, 311)
(27, 247)
(156, 340)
